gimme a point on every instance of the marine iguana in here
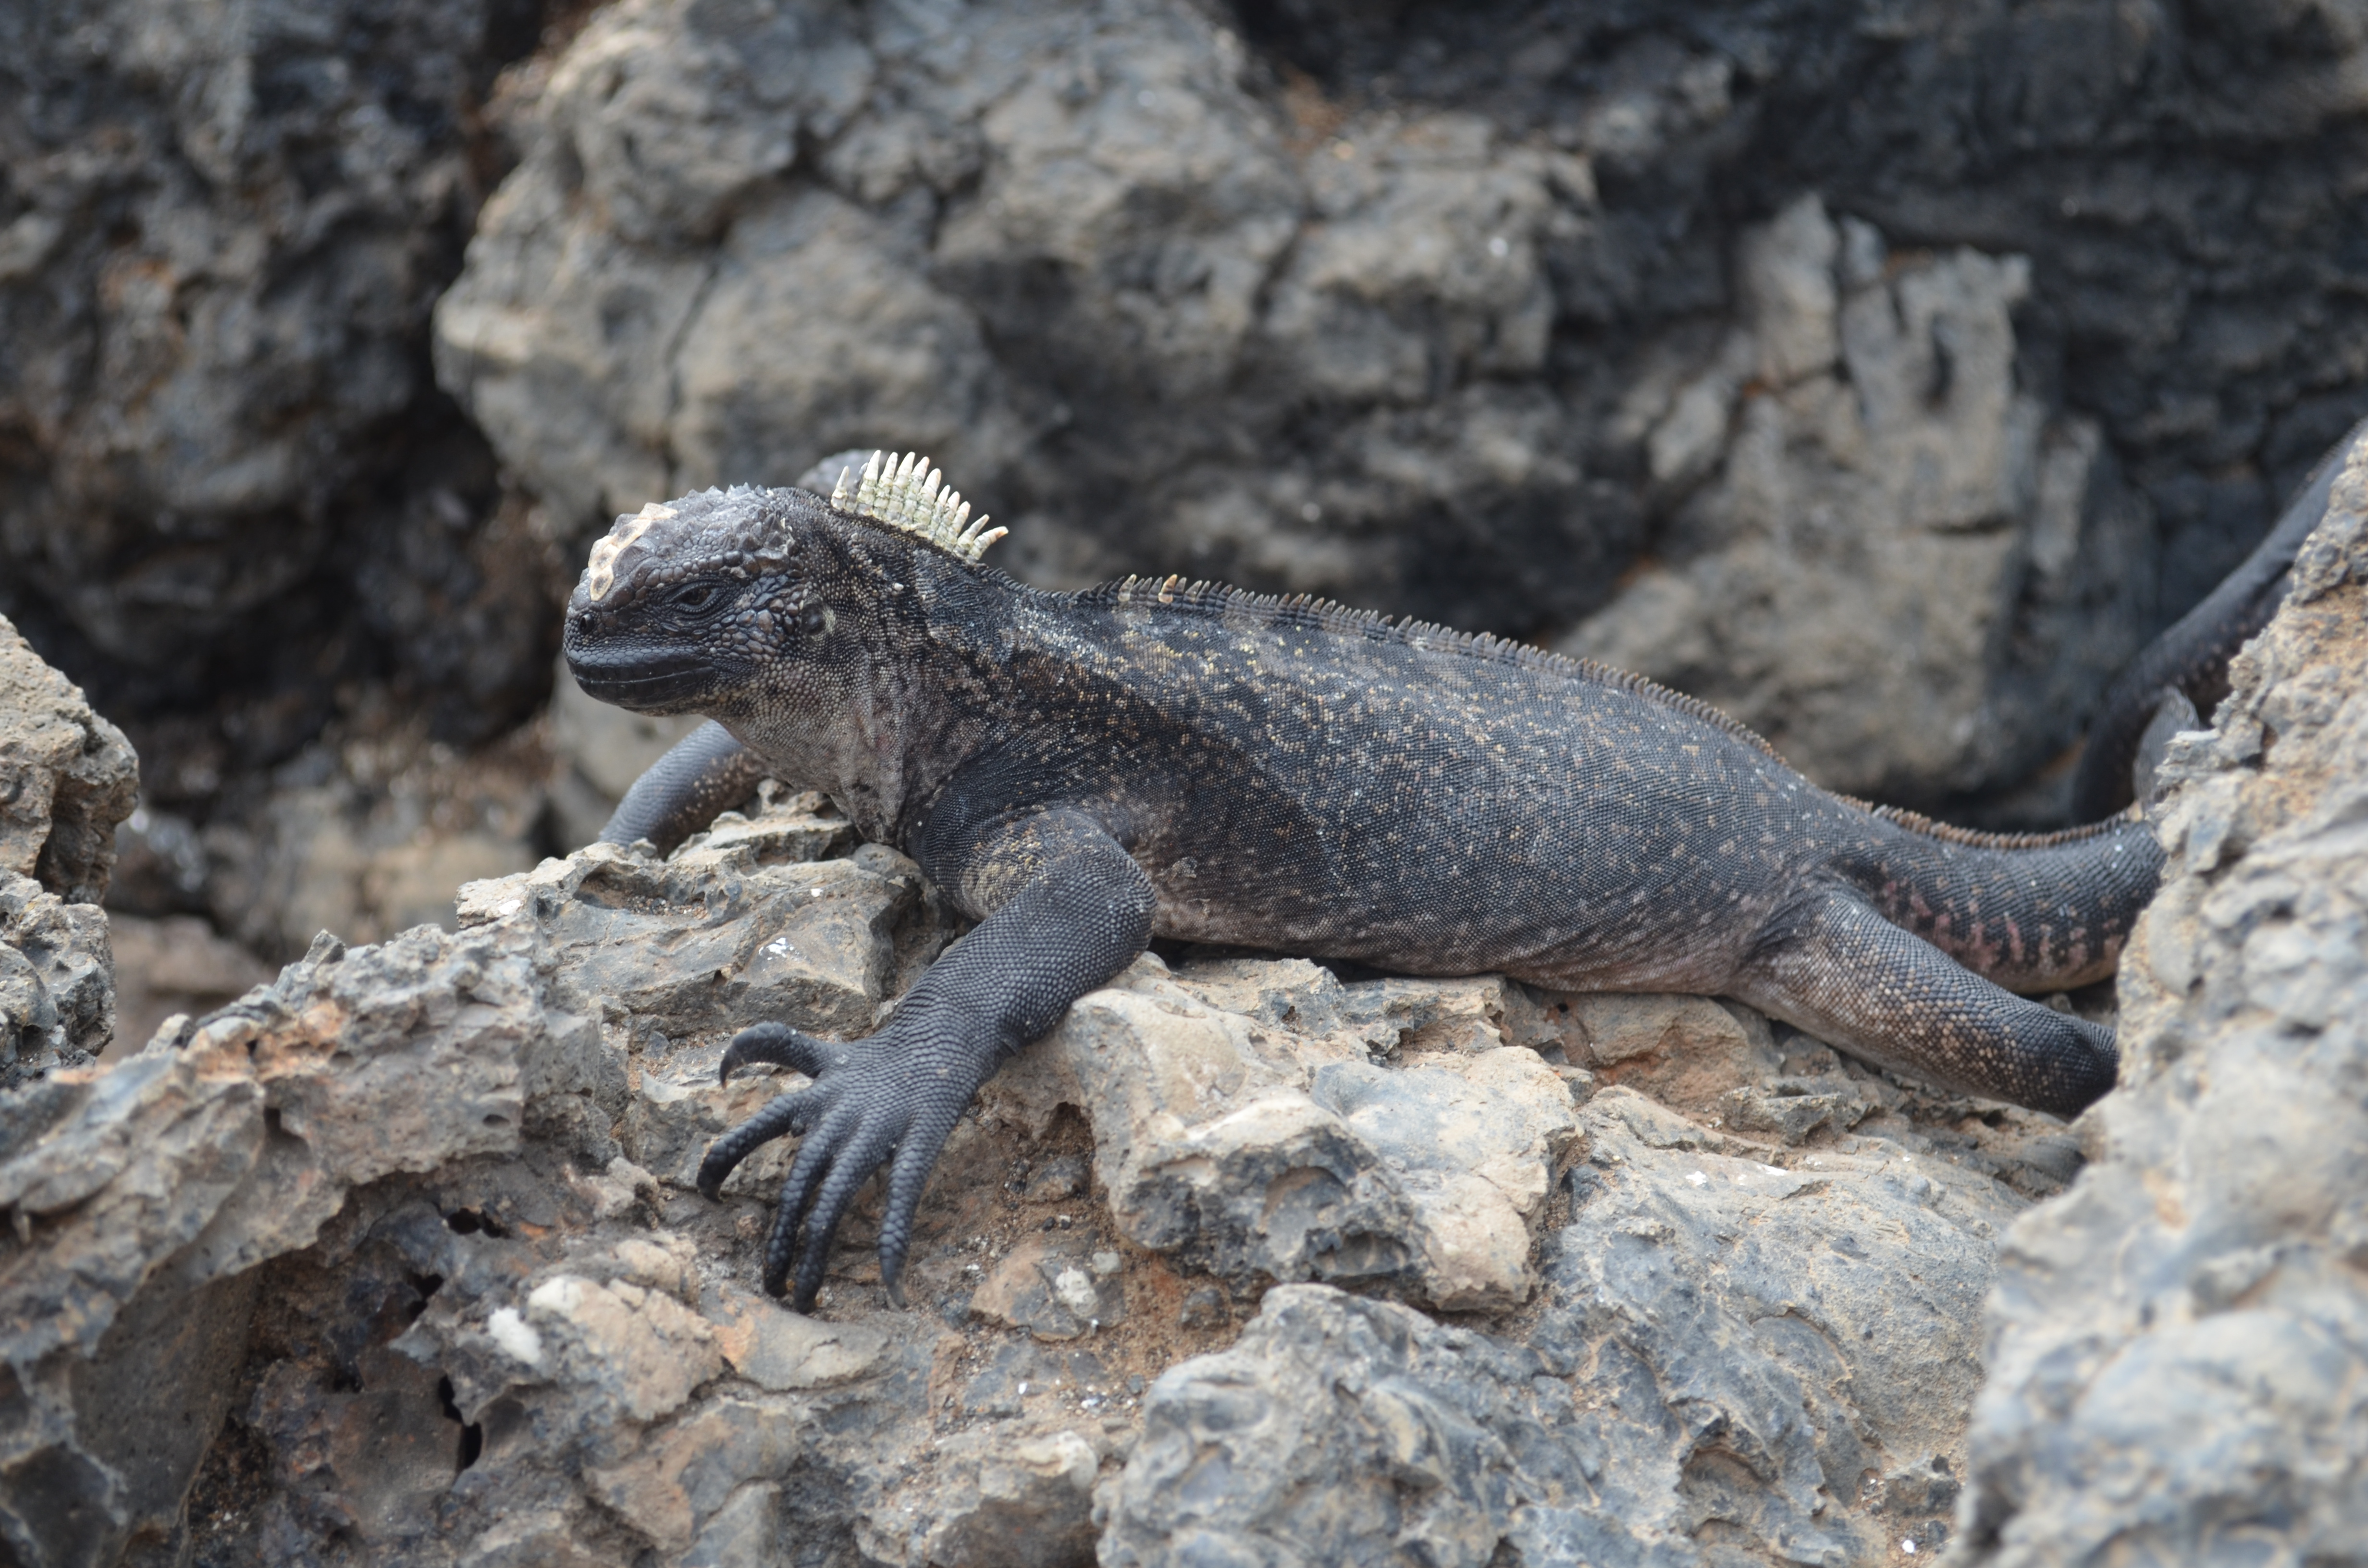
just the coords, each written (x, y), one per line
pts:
(1082, 772)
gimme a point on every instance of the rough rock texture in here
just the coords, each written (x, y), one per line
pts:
(57, 991)
(1731, 1354)
(67, 777)
(407, 1242)
(2183, 181)
(232, 498)
(1451, 309)
(1244, 1122)
(2179, 1345)
(1899, 567)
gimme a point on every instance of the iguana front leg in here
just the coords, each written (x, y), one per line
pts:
(1066, 909)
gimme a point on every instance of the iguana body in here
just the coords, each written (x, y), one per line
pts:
(1083, 772)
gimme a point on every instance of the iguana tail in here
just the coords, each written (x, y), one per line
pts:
(2030, 911)
(2192, 658)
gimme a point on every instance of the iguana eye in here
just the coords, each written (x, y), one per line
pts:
(813, 618)
(695, 598)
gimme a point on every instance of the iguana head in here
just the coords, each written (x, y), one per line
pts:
(772, 610)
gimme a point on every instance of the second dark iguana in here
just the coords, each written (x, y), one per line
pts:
(1082, 772)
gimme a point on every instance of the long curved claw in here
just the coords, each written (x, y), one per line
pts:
(849, 1165)
(914, 1158)
(806, 1173)
(783, 1047)
(786, 1113)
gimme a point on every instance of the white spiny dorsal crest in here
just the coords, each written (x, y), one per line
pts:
(905, 493)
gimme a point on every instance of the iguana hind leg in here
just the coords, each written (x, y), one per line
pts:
(1831, 965)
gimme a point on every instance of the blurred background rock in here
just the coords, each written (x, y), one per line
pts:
(1885, 372)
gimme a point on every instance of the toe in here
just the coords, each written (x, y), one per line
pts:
(855, 1161)
(780, 1045)
(907, 1178)
(807, 1173)
(784, 1114)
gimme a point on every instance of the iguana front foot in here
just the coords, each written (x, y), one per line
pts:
(897, 1093)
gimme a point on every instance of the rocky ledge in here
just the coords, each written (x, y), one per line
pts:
(67, 777)
(397, 1258)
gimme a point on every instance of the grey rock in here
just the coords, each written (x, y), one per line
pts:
(1799, 1326)
(1248, 1149)
(996, 1503)
(219, 247)
(57, 982)
(1341, 1431)
(1730, 1351)
(159, 1182)
(409, 1139)
(944, 193)
(1886, 500)
(410, 1237)
(1062, 1176)
(67, 777)
(1049, 1286)
(2176, 1340)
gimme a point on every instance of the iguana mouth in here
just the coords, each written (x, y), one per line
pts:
(643, 683)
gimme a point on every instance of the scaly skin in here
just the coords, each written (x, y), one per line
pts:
(1083, 772)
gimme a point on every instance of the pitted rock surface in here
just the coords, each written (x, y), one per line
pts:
(1249, 1146)
(411, 1235)
(2178, 1344)
(67, 777)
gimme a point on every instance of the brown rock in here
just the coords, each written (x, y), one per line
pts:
(1683, 1050)
(687, 1469)
(1049, 1286)
(1006, 1505)
(780, 1351)
(637, 1349)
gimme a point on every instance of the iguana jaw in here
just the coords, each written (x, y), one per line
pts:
(640, 681)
